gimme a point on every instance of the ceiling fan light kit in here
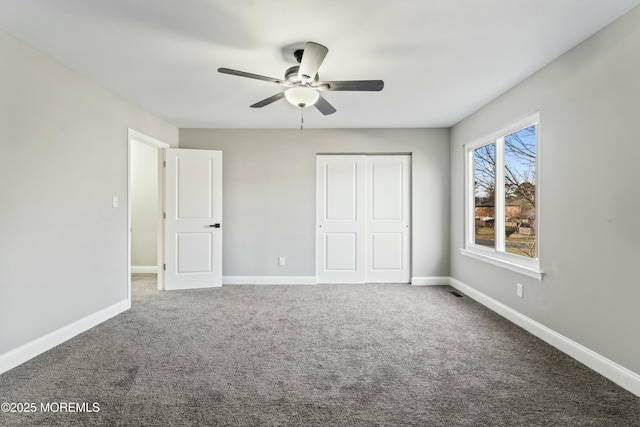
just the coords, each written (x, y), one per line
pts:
(301, 96)
(302, 82)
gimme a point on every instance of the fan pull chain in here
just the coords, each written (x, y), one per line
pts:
(301, 118)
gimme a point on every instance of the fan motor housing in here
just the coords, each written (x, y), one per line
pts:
(291, 75)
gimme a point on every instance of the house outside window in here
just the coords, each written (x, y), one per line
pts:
(501, 209)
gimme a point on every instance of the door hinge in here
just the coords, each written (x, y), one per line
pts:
(164, 215)
(164, 163)
(164, 266)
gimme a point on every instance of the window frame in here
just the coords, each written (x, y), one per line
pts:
(498, 255)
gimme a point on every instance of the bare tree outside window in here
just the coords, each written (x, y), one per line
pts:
(484, 181)
(519, 192)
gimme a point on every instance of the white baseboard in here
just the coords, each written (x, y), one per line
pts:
(605, 367)
(144, 269)
(429, 281)
(38, 346)
(269, 280)
(313, 280)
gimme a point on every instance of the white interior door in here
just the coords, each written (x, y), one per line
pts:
(363, 219)
(388, 208)
(340, 183)
(193, 209)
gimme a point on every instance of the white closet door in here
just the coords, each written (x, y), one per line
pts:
(363, 219)
(340, 185)
(388, 219)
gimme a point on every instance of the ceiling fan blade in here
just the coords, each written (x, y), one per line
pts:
(268, 100)
(352, 85)
(251, 75)
(324, 107)
(312, 57)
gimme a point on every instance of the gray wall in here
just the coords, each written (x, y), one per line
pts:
(269, 193)
(144, 205)
(589, 100)
(63, 156)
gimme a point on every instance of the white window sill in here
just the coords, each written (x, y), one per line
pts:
(494, 258)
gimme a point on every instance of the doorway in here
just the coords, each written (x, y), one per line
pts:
(145, 206)
(363, 218)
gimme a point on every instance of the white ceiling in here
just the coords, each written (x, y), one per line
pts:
(440, 59)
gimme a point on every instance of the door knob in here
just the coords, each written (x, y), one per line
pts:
(217, 225)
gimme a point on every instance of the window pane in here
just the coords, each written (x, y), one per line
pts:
(520, 192)
(484, 181)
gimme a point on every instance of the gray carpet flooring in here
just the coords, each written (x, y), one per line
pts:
(327, 355)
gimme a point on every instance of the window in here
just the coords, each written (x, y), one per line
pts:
(501, 186)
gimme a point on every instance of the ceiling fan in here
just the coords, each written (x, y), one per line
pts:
(302, 85)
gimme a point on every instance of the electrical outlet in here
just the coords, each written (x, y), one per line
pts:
(520, 290)
(281, 261)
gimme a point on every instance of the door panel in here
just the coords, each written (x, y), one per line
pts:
(386, 251)
(194, 176)
(386, 189)
(341, 191)
(388, 220)
(341, 251)
(195, 253)
(193, 206)
(340, 219)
